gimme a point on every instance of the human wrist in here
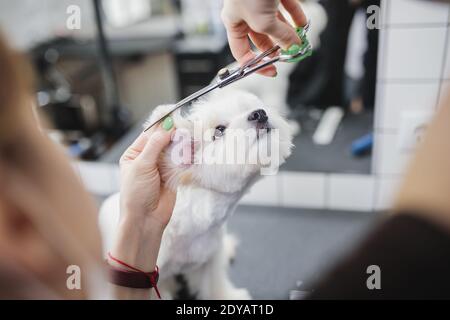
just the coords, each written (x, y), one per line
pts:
(138, 242)
(147, 220)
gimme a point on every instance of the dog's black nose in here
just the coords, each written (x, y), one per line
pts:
(259, 116)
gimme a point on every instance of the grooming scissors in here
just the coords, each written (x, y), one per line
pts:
(226, 76)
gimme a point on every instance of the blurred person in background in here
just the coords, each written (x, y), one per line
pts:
(48, 221)
(322, 80)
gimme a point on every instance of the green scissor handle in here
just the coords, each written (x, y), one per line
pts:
(294, 49)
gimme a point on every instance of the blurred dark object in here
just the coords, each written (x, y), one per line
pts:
(414, 254)
(320, 81)
(197, 61)
(116, 120)
(74, 114)
(77, 113)
(362, 146)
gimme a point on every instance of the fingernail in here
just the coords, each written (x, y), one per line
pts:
(294, 49)
(172, 135)
(167, 123)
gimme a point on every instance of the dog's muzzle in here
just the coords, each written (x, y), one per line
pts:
(261, 120)
(258, 116)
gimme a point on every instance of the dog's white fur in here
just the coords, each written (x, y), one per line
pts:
(195, 242)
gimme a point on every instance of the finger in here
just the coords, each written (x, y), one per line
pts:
(281, 16)
(296, 12)
(269, 71)
(157, 141)
(241, 49)
(263, 43)
(135, 148)
(282, 33)
(237, 34)
(238, 40)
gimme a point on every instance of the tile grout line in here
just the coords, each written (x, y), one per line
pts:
(411, 25)
(280, 189)
(410, 80)
(326, 191)
(383, 49)
(383, 34)
(376, 192)
(444, 62)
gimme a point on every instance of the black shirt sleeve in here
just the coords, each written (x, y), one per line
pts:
(413, 256)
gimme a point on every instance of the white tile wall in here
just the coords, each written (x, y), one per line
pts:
(397, 98)
(416, 12)
(414, 53)
(351, 192)
(413, 60)
(264, 192)
(444, 92)
(386, 188)
(446, 71)
(389, 160)
(303, 190)
(382, 45)
(286, 189)
(445, 81)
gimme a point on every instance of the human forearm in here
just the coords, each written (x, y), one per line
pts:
(145, 208)
(137, 244)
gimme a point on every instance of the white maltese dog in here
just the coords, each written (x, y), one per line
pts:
(223, 144)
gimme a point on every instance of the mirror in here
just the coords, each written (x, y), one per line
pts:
(332, 94)
(161, 55)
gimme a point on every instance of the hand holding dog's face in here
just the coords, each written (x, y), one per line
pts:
(224, 141)
(142, 197)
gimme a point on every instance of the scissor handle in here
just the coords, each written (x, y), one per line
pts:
(227, 77)
(260, 57)
(242, 72)
(304, 50)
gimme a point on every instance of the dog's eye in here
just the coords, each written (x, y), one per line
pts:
(220, 130)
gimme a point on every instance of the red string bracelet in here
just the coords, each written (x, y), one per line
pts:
(136, 279)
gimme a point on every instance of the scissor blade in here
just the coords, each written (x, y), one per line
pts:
(186, 100)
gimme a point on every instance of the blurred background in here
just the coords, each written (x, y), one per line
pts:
(358, 107)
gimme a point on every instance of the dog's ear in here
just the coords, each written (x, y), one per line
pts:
(177, 162)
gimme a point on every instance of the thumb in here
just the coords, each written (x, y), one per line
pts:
(157, 141)
(282, 33)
